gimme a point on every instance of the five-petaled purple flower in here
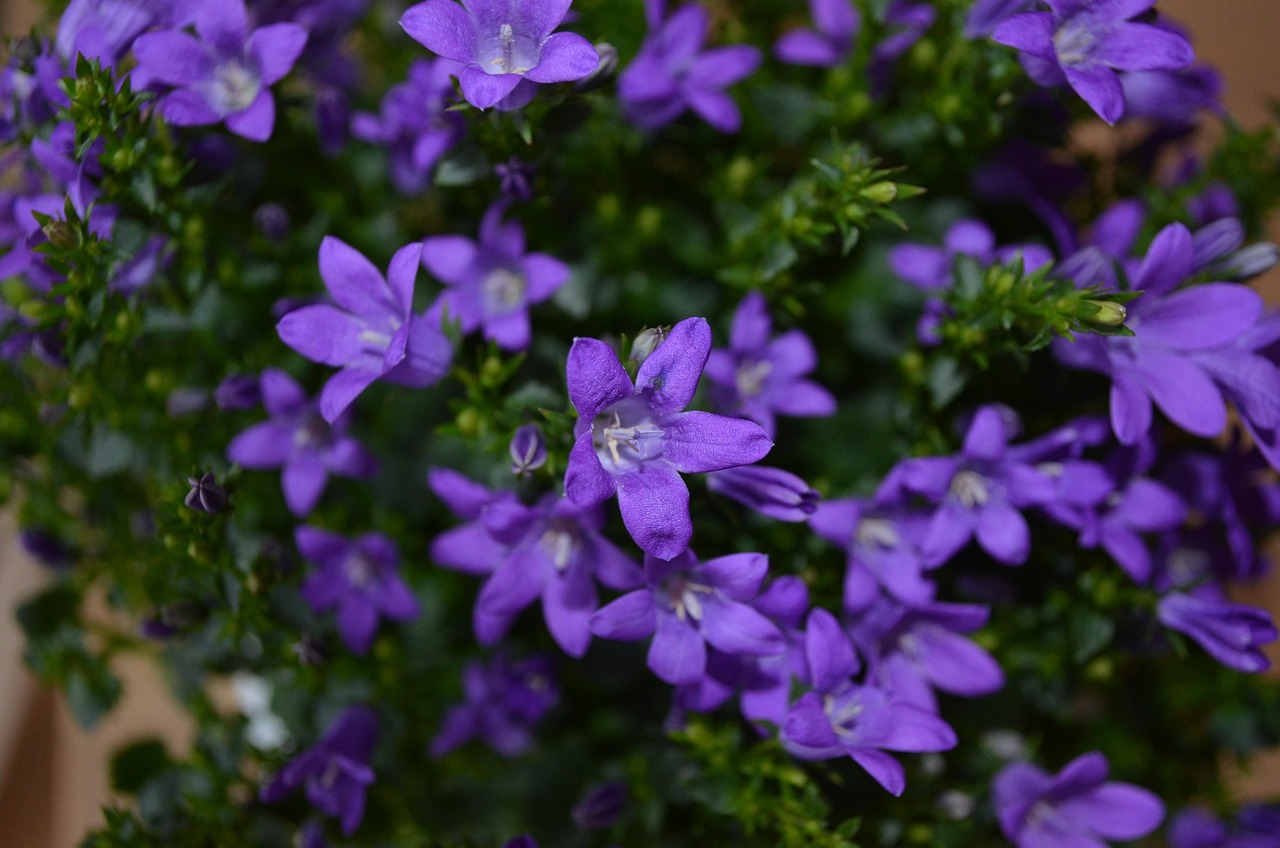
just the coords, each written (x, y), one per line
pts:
(759, 377)
(360, 578)
(672, 73)
(634, 440)
(689, 604)
(881, 538)
(840, 717)
(372, 333)
(836, 22)
(335, 771)
(225, 74)
(506, 47)
(300, 443)
(1084, 43)
(490, 284)
(503, 700)
(1076, 807)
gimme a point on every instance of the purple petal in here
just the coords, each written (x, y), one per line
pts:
(469, 549)
(1014, 790)
(566, 56)
(1201, 317)
(1143, 47)
(949, 530)
(986, 438)
(595, 376)
(751, 324)
(1130, 410)
(886, 770)
(358, 623)
(677, 654)
(1030, 32)
(443, 27)
(257, 120)
(321, 546)
(353, 281)
(276, 48)
(655, 509)
(463, 496)
(303, 481)
(397, 601)
(543, 276)
(586, 483)
(1100, 88)
(450, 259)
(1117, 811)
(281, 394)
(1168, 261)
(401, 274)
(1150, 506)
(264, 445)
(484, 90)
(669, 377)
(1183, 392)
(957, 665)
(568, 604)
(1129, 551)
(698, 442)
(807, 724)
(737, 575)
(322, 333)
(924, 266)
(1002, 532)
(716, 108)
(343, 388)
(186, 107)
(806, 47)
(827, 651)
(629, 618)
(225, 24)
(736, 628)
(173, 58)
(721, 67)
(838, 19)
(805, 399)
(515, 583)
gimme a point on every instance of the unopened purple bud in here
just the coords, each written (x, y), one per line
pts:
(605, 70)
(47, 549)
(601, 806)
(206, 495)
(528, 450)
(515, 178)
(333, 121)
(769, 491)
(272, 220)
(646, 343)
(239, 391)
(185, 400)
(1250, 262)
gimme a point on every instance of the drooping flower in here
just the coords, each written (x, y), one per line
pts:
(688, 605)
(413, 123)
(335, 772)
(1077, 806)
(552, 550)
(1084, 43)
(372, 332)
(505, 47)
(774, 492)
(1232, 633)
(503, 700)
(360, 578)
(759, 377)
(491, 283)
(634, 441)
(672, 73)
(836, 24)
(842, 718)
(300, 443)
(224, 75)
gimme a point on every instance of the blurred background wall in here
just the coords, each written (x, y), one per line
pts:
(53, 775)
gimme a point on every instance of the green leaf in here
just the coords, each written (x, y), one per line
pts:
(135, 765)
(46, 613)
(92, 690)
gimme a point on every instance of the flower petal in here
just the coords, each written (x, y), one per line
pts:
(655, 509)
(1003, 533)
(303, 480)
(353, 281)
(1183, 392)
(629, 618)
(698, 442)
(586, 483)
(566, 56)
(343, 388)
(256, 121)
(1100, 88)
(596, 377)
(276, 48)
(827, 651)
(443, 27)
(669, 377)
(485, 90)
(737, 629)
(677, 654)
(1200, 317)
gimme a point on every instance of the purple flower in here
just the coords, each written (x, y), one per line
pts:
(206, 495)
(759, 377)
(1182, 342)
(372, 333)
(413, 124)
(552, 550)
(882, 541)
(298, 441)
(929, 268)
(836, 24)
(515, 178)
(1084, 43)
(491, 284)
(774, 492)
(1231, 633)
(506, 47)
(1172, 97)
(360, 578)
(236, 392)
(47, 548)
(842, 718)
(978, 493)
(634, 441)
(985, 15)
(528, 450)
(104, 29)
(688, 605)
(906, 21)
(335, 771)
(503, 700)
(1074, 808)
(672, 73)
(224, 75)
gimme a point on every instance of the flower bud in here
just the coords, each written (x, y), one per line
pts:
(206, 495)
(239, 391)
(601, 807)
(769, 491)
(605, 69)
(528, 450)
(646, 343)
(62, 235)
(1109, 314)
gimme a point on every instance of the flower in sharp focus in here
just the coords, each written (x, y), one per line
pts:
(672, 73)
(224, 75)
(491, 283)
(1084, 43)
(633, 440)
(836, 23)
(506, 47)
(502, 702)
(360, 578)
(774, 492)
(335, 772)
(371, 333)
(761, 377)
(1078, 806)
(688, 605)
(298, 441)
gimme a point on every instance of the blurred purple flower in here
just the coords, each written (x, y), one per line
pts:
(503, 700)
(836, 24)
(906, 22)
(882, 542)
(1231, 633)
(774, 492)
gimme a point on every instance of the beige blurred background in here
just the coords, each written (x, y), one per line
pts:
(53, 775)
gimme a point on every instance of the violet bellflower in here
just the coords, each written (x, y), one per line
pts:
(634, 441)
(334, 772)
(224, 75)
(760, 376)
(688, 605)
(552, 550)
(372, 332)
(836, 24)
(672, 73)
(773, 492)
(413, 123)
(1231, 633)
(1084, 43)
(104, 29)
(491, 283)
(930, 268)
(506, 47)
(298, 441)
(881, 539)
(360, 578)
(502, 701)
(906, 22)
(1076, 807)
(842, 718)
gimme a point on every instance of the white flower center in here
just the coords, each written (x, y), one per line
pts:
(360, 570)
(625, 435)
(508, 53)
(560, 545)
(237, 86)
(970, 488)
(1073, 42)
(876, 533)
(750, 378)
(503, 290)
